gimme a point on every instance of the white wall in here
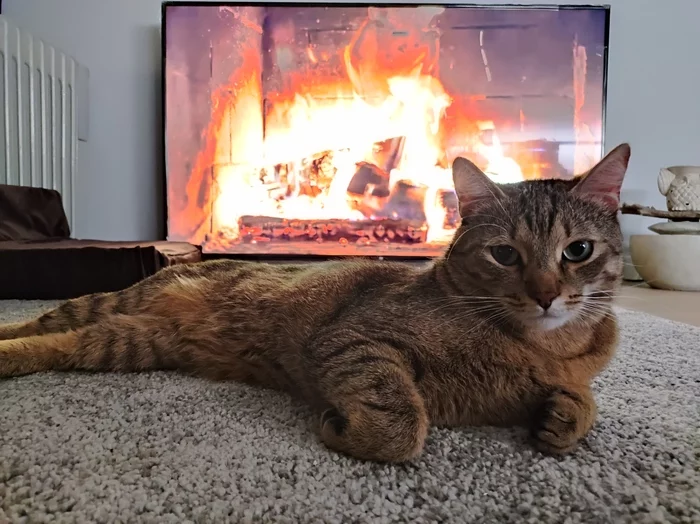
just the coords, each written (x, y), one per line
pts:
(653, 100)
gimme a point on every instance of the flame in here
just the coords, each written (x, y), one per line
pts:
(337, 122)
(500, 168)
(231, 105)
(585, 156)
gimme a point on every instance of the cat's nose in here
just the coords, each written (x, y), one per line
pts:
(545, 299)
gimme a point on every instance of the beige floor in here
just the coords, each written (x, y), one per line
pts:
(681, 306)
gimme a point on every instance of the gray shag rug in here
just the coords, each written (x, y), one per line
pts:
(160, 447)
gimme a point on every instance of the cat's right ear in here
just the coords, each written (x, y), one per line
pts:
(472, 185)
(603, 182)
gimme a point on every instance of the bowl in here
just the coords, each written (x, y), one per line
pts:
(667, 261)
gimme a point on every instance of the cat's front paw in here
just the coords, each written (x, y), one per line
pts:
(563, 420)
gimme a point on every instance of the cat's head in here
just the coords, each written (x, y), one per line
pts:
(542, 253)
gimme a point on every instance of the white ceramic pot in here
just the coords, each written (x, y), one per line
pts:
(667, 261)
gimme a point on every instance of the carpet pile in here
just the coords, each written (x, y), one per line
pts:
(160, 447)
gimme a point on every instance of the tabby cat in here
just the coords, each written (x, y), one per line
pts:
(508, 328)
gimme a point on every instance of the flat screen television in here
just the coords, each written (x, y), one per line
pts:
(329, 129)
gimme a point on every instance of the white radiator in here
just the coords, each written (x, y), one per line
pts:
(38, 124)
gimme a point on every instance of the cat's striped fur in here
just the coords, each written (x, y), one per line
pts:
(384, 350)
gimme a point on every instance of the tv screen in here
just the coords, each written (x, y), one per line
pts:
(330, 129)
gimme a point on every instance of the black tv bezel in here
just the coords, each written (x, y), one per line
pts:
(606, 8)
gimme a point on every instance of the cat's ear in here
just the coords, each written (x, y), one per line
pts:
(472, 185)
(603, 182)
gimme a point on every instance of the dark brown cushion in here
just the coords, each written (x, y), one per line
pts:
(31, 213)
(71, 268)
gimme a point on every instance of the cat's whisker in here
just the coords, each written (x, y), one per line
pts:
(598, 292)
(594, 312)
(607, 296)
(477, 311)
(471, 313)
(493, 318)
(454, 244)
(645, 283)
(593, 302)
(457, 300)
(456, 304)
(612, 298)
(486, 216)
(487, 224)
(592, 309)
(470, 297)
(586, 318)
(460, 303)
(597, 300)
(500, 204)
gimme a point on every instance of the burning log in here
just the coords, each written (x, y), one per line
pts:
(406, 201)
(361, 232)
(310, 176)
(387, 153)
(450, 203)
(318, 173)
(314, 174)
(368, 175)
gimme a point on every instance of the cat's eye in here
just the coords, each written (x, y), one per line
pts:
(505, 255)
(578, 251)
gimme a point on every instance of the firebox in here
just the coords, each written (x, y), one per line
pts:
(330, 129)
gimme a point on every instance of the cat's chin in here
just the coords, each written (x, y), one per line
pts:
(549, 322)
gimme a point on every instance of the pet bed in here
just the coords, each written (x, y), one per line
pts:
(40, 260)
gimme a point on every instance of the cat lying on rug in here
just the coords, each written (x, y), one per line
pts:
(508, 328)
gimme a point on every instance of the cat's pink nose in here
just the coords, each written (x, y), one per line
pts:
(545, 299)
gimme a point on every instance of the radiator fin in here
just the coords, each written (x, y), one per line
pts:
(38, 129)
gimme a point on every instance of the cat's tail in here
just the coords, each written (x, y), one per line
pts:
(78, 312)
(118, 343)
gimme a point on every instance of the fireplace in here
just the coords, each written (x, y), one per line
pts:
(330, 129)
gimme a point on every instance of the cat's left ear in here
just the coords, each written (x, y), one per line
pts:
(603, 182)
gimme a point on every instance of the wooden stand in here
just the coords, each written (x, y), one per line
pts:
(645, 211)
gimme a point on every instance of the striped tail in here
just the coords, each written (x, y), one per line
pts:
(119, 343)
(136, 300)
(78, 313)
